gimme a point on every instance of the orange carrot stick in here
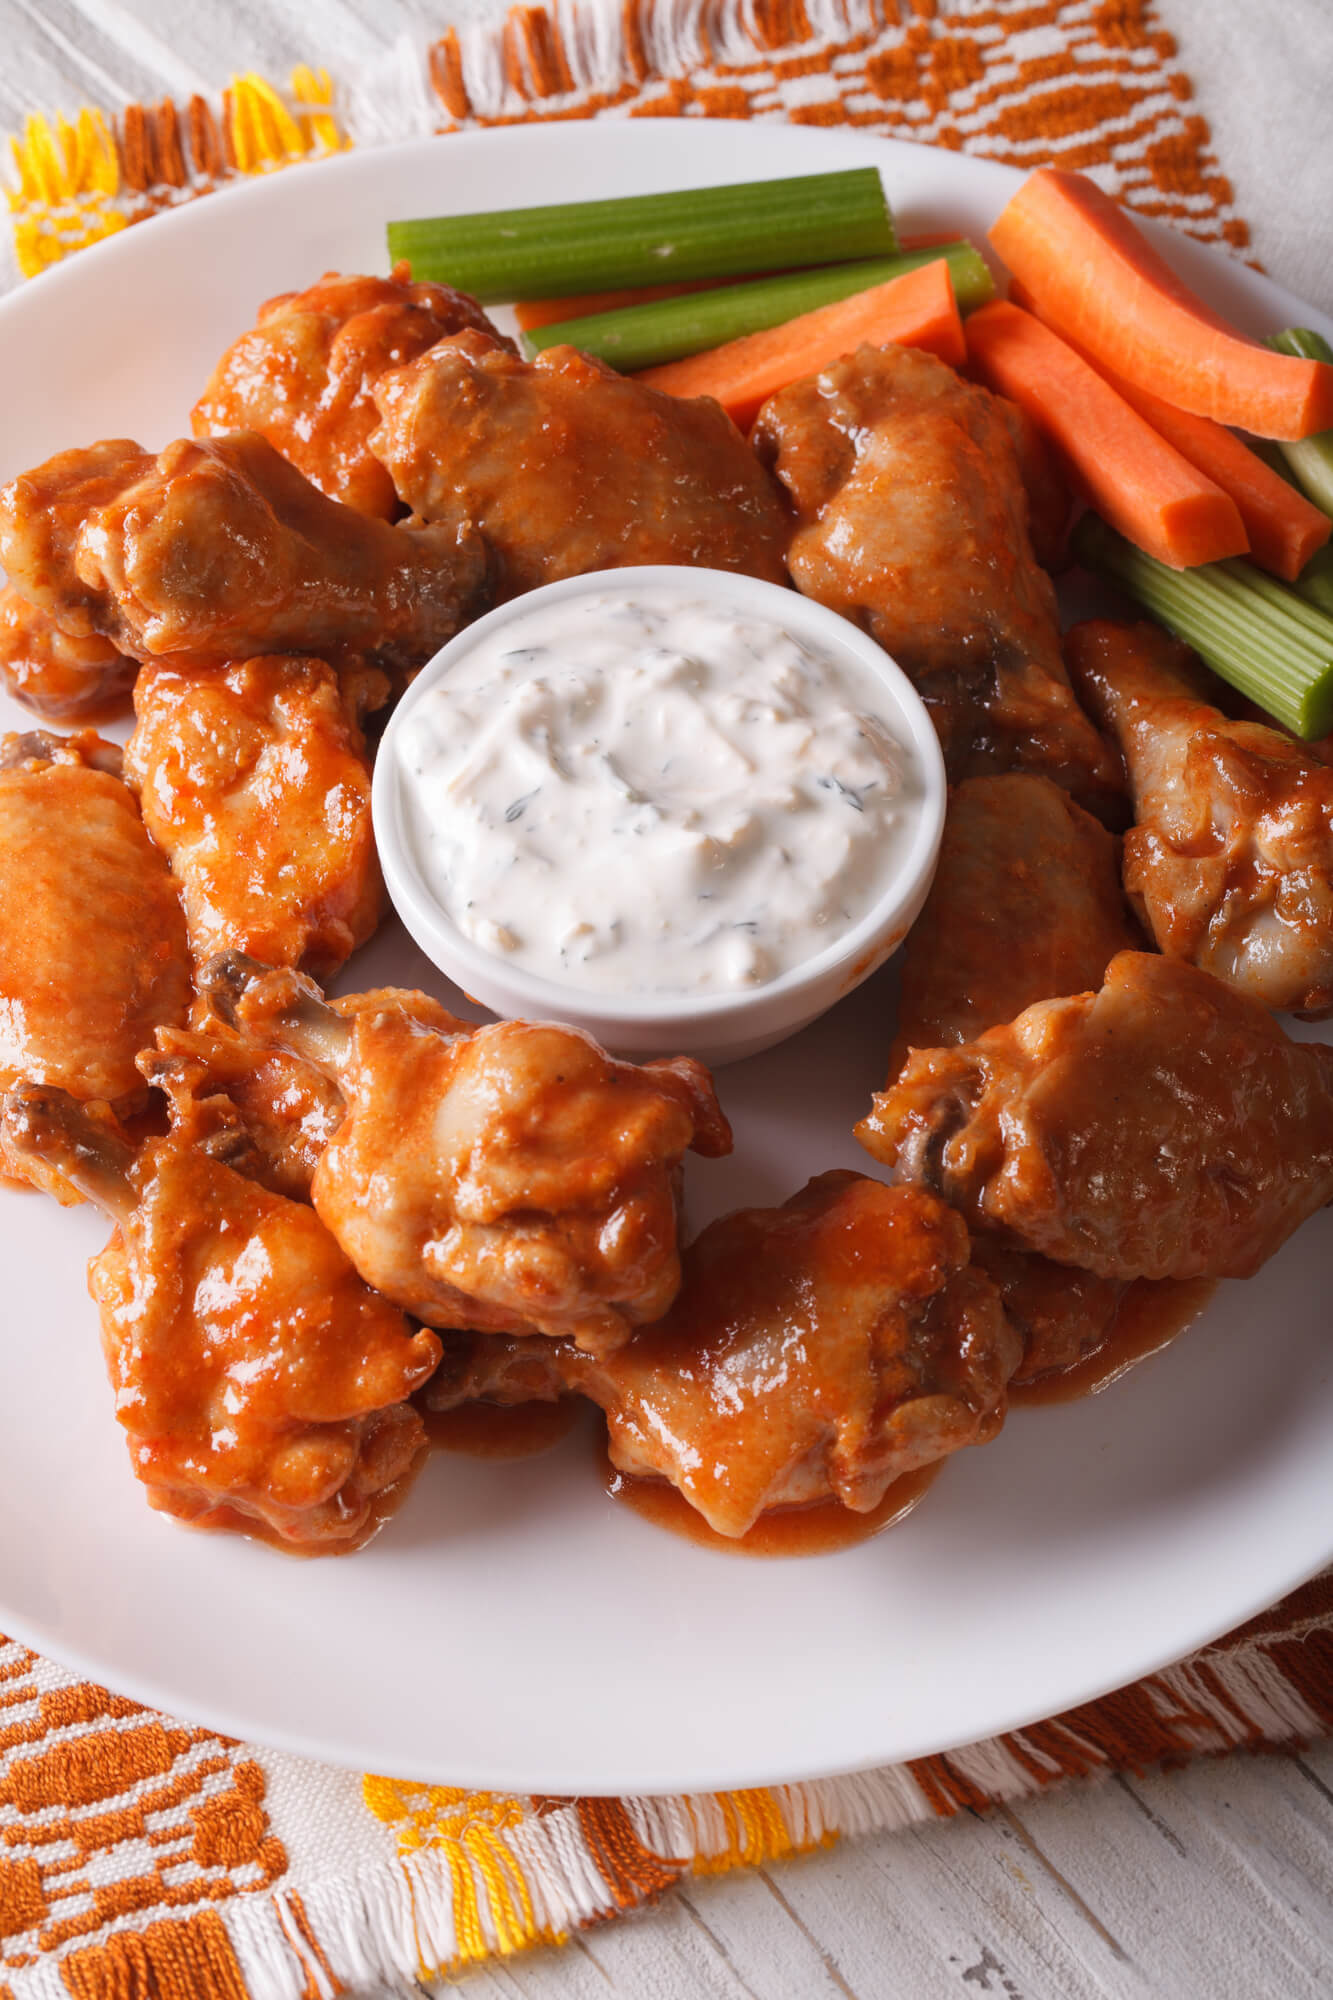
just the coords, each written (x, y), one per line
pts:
(1284, 527)
(1096, 279)
(916, 310)
(1134, 478)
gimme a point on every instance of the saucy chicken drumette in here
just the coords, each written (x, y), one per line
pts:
(816, 1351)
(254, 780)
(1026, 905)
(1230, 862)
(912, 520)
(567, 467)
(55, 673)
(262, 1385)
(1163, 1127)
(92, 940)
(512, 1178)
(222, 549)
(302, 376)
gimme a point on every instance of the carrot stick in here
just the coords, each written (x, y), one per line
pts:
(1284, 527)
(532, 313)
(916, 310)
(1134, 478)
(1097, 280)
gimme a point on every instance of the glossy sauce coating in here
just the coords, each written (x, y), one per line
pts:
(819, 1529)
(303, 375)
(92, 939)
(1150, 1315)
(55, 673)
(254, 780)
(222, 549)
(816, 1351)
(1164, 1127)
(567, 467)
(1230, 860)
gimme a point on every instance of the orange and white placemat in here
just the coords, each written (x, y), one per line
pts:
(144, 1859)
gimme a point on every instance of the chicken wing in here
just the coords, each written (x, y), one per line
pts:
(1164, 1127)
(263, 1386)
(568, 467)
(913, 522)
(1026, 905)
(302, 376)
(288, 1108)
(816, 1351)
(53, 672)
(254, 781)
(93, 953)
(512, 1178)
(222, 549)
(1230, 863)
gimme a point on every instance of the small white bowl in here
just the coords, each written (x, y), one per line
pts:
(715, 1030)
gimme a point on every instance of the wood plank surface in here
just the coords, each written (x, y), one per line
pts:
(1211, 1883)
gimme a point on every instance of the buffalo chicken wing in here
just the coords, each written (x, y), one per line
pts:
(55, 673)
(912, 521)
(303, 375)
(512, 1178)
(567, 467)
(262, 1385)
(92, 940)
(1231, 860)
(222, 549)
(1164, 1127)
(254, 781)
(817, 1351)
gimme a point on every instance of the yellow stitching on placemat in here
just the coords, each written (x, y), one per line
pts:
(68, 178)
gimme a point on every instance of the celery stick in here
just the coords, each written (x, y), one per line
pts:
(1262, 638)
(1315, 581)
(1310, 459)
(652, 239)
(665, 329)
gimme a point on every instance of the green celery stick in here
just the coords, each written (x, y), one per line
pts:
(1262, 638)
(1310, 459)
(1315, 581)
(651, 239)
(665, 329)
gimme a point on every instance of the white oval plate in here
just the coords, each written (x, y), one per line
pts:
(513, 1627)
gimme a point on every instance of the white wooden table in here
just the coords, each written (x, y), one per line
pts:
(1213, 1883)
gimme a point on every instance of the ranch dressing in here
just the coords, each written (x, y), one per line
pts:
(638, 791)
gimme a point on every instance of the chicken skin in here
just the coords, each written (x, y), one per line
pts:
(1164, 1127)
(817, 1351)
(54, 673)
(254, 781)
(1026, 905)
(511, 1178)
(567, 467)
(92, 940)
(262, 1385)
(222, 549)
(912, 521)
(303, 375)
(1230, 863)
(288, 1108)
